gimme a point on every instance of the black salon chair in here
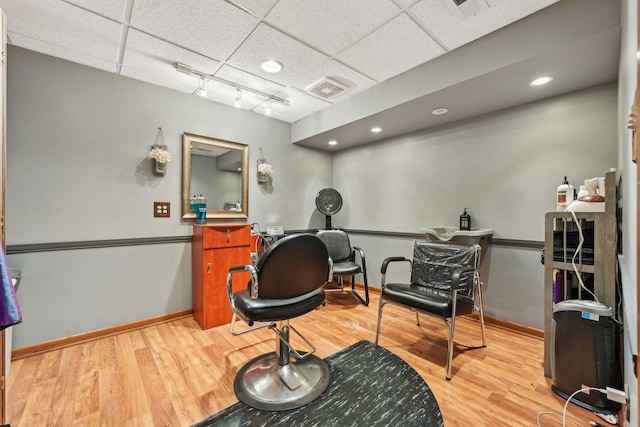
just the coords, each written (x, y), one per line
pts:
(286, 282)
(345, 262)
(444, 283)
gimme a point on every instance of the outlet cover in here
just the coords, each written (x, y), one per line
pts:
(161, 209)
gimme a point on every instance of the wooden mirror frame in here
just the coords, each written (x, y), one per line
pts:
(187, 139)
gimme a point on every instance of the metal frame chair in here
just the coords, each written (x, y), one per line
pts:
(286, 282)
(445, 283)
(345, 262)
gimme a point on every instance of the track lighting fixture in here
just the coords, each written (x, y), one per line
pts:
(184, 68)
(201, 91)
(267, 109)
(238, 101)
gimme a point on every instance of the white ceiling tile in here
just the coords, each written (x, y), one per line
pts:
(62, 53)
(397, 47)
(331, 25)
(49, 26)
(526, 6)
(405, 3)
(182, 83)
(441, 17)
(156, 58)
(249, 80)
(334, 69)
(267, 43)
(113, 9)
(300, 104)
(255, 7)
(212, 28)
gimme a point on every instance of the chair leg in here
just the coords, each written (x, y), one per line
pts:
(364, 300)
(452, 326)
(452, 330)
(481, 312)
(382, 304)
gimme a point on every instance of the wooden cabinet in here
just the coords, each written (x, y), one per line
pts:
(216, 248)
(595, 262)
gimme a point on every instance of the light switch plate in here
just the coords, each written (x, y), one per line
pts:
(161, 209)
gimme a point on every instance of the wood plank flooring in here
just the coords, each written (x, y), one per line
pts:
(175, 374)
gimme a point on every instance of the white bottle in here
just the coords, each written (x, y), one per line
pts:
(564, 195)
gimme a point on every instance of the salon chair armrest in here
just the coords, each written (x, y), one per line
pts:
(388, 260)
(457, 274)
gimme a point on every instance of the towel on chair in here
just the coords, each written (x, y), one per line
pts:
(10, 313)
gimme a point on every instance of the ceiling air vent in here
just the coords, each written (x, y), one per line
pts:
(328, 88)
(470, 7)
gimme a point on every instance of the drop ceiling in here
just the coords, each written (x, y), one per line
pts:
(390, 61)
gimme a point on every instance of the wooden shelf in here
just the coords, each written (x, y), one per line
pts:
(603, 269)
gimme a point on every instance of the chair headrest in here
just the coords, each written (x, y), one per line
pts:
(337, 242)
(293, 266)
(434, 263)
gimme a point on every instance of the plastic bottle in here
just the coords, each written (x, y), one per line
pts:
(465, 220)
(201, 209)
(193, 206)
(564, 195)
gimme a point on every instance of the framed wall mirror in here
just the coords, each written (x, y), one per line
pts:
(217, 170)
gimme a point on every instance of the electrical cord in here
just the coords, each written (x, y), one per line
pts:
(575, 254)
(555, 414)
(261, 238)
(564, 411)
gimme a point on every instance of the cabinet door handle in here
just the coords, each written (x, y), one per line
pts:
(209, 268)
(228, 236)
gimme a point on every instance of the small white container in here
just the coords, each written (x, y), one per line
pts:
(583, 191)
(564, 195)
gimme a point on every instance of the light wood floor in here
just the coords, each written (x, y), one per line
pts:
(176, 374)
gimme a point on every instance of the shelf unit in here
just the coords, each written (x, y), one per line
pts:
(602, 269)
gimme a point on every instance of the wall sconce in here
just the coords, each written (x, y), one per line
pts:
(264, 169)
(160, 155)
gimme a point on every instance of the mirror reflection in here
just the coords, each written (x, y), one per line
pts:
(217, 170)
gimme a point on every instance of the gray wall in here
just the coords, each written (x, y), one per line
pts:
(78, 170)
(504, 166)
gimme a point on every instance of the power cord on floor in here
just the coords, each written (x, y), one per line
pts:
(564, 411)
(555, 414)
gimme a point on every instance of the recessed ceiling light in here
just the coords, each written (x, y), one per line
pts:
(271, 66)
(440, 111)
(333, 142)
(376, 129)
(541, 81)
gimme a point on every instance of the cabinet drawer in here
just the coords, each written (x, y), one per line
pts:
(222, 237)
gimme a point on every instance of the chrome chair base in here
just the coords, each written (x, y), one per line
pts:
(265, 384)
